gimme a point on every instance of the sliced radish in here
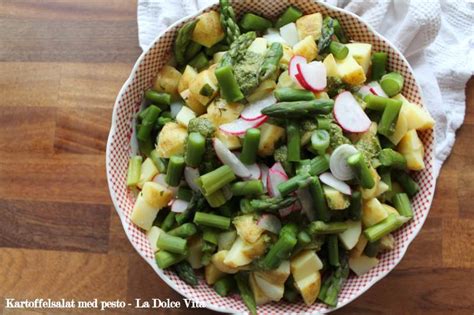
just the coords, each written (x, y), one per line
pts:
(338, 162)
(376, 89)
(274, 179)
(161, 179)
(349, 115)
(264, 169)
(255, 171)
(314, 75)
(293, 67)
(301, 81)
(230, 159)
(253, 110)
(289, 33)
(306, 202)
(190, 176)
(364, 91)
(179, 206)
(328, 179)
(293, 208)
(240, 126)
(277, 167)
(270, 223)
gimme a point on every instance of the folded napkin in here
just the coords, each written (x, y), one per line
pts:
(436, 37)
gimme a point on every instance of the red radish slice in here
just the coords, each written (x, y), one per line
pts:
(338, 162)
(264, 169)
(301, 81)
(349, 115)
(161, 179)
(179, 206)
(274, 179)
(306, 203)
(253, 110)
(228, 158)
(190, 176)
(240, 126)
(255, 171)
(293, 66)
(376, 89)
(314, 75)
(364, 91)
(328, 179)
(270, 223)
(277, 167)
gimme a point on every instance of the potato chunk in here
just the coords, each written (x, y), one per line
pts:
(208, 30)
(167, 80)
(171, 140)
(412, 149)
(269, 136)
(306, 48)
(350, 71)
(310, 25)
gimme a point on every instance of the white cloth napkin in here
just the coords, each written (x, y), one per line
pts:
(437, 38)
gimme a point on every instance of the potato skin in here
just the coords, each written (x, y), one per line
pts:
(208, 30)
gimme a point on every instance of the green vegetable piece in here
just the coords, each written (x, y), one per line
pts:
(192, 50)
(339, 32)
(319, 201)
(134, 170)
(339, 51)
(168, 222)
(362, 170)
(392, 83)
(175, 170)
(184, 193)
(301, 109)
(253, 22)
(327, 32)
(375, 102)
(283, 247)
(229, 87)
(389, 118)
(372, 248)
(320, 227)
(290, 15)
(225, 286)
(355, 208)
(165, 259)
(202, 125)
(250, 146)
(333, 284)
(199, 61)
(206, 90)
(215, 180)
(186, 273)
(210, 235)
(183, 38)
(379, 65)
(228, 21)
(333, 250)
(408, 184)
(320, 140)
(267, 205)
(161, 99)
(384, 227)
(195, 149)
(271, 63)
(184, 231)
(293, 141)
(210, 51)
(294, 183)
(245, 293)
(287, 94)
(402, 204)
(171, 244)
(159, 162)
(392, 158)
(216, 199)
(148, 121)
(247, 188)
(212, 220)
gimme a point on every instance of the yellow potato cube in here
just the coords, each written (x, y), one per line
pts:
(212, 274)
(143, 214)
(258, 46)
(350, 71)
(167, 80)
(189, 75)
(372, 192)
(193, 102)
(306, 48)
(359, 247)
(218, 261)
(401, 127)
(221, 112)
(204, 78)
(373, 212)
(258, 294)
(269, 136)
(264, 89)
(361, 53)
(417, 117)
(156, 195)
(362, 264)
(247, 228)
(148, 171)
(287, 54)
(331, 66)
(230, 141)
(208, 30)
(412, 149)
(276, 276)
(171, 140)
(310, 25)
(304, 264)
(309, 287)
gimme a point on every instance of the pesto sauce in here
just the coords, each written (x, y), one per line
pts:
(246, 71)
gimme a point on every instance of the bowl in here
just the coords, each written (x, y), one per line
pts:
(120, 147)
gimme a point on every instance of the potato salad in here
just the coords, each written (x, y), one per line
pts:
(275, 157)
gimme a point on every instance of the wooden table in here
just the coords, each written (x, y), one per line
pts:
(61, 66)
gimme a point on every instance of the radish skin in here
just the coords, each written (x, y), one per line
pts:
(349, 115)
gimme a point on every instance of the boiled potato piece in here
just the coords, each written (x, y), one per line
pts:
(381, 188)
(193, 102)
(412, 149)
(242, 252)
(417, 117)
(387, 242)
(171, 140)
(390, 209)
(208, 30)
(143, 214)
(305, 268)
(204, 78)
(361, 53)
(269, 136)
(168, 80)
(247, 228)
(335, 199)
(284, 80)
(212, 274)
(373, 212)
(218, 261)
(184, 116)
(310, 25)
(221, 112)
(156, 195)
(372, 192)
(195, 252)
(287, 54)
(264, 89)
(258, 46)
(276, 276)
(350, 71)
(359, 247)
(152, 236)
(350, 237)
(273, 291)
(148, 171)
(260, 297)
(362, 264)
(189, 75)
(225, 240)
(401, 127)
(306, 48)
(218, 56)
(230, 141)
(331, 66)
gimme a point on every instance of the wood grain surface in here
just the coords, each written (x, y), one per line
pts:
(62, 62)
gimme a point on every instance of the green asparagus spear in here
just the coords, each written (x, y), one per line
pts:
(372, 248)
(392, 83)
(327, 32)
(186, 273)
(212, 220)
(389, 118)
(392, 158)
(355, 208)
(333, 284)
(216, 48)
(339, 51)
(229, 87)
(375, 102)
(287, 94)
(215, 180)
(294, 183)
(290, 15)
(299, 109)
(319, 201)
(271, 62)
(182, 40)
(253, 22)
(228, 21)
(199, 61)
(210, 235)
(134, 170)
(339, 32)
(169, 221)
(379, 64)
(237, 49)
(320, 140)
(269, 204)
(245, 293)
(319, 227)
(165, 259)
(362, 171)
(402, 204)
(195, 149)
(148, 121)
(293, 141)
(333, 250)
(192, 50)
(186, 230)
(161, 99)
(159, 162)
(172, 243)
(384, 227)
(224, 286)
(283, 247)
(247, 188)
(250, 146)
(175, 170)
(408, 184)
(184, 193)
